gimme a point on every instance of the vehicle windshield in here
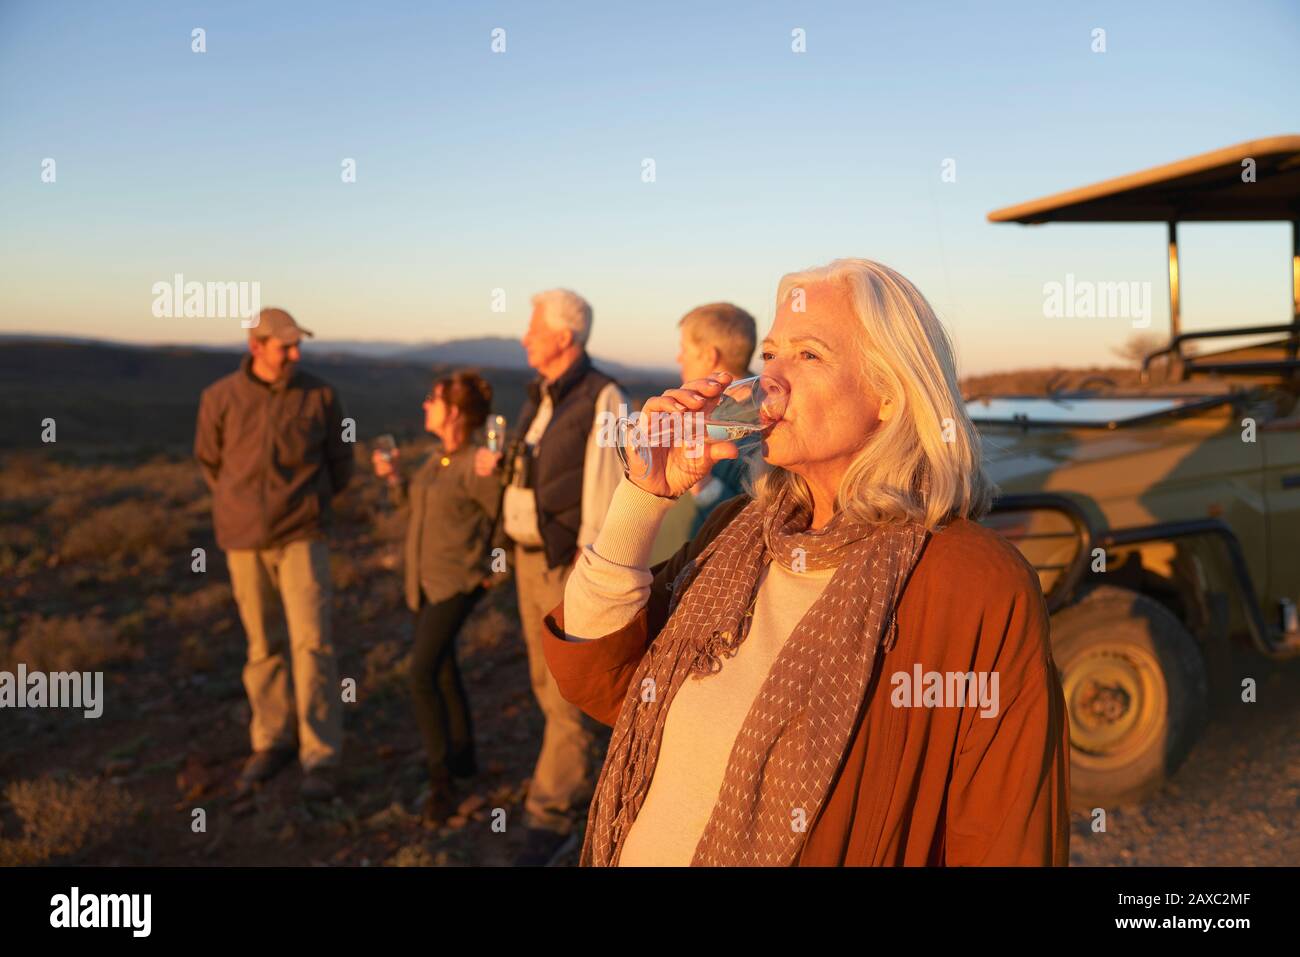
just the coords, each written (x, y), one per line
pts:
(1100, 412)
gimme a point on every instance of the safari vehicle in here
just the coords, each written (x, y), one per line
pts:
(1163, 519)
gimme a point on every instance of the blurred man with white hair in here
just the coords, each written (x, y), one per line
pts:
(561, 482)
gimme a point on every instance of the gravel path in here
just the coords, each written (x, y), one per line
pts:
(1235, 801)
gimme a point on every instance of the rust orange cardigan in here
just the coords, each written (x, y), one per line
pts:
(919, 785)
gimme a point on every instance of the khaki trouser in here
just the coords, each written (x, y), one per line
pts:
(296, 578)
(563, 780)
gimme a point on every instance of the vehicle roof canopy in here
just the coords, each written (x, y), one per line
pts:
(1206, 188)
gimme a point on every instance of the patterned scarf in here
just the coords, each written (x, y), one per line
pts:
(788, 749)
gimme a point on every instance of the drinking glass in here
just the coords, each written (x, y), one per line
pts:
(496, 433)
(747, 407)
(386, 446)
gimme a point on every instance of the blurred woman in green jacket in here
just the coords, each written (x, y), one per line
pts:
(453, 509)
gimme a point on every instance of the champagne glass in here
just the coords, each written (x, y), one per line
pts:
(746, 408)
(386, 446)
(496, 433)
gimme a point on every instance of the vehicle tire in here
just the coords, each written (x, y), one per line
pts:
(1135, 691)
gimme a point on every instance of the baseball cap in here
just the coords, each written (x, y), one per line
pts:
(278, 324)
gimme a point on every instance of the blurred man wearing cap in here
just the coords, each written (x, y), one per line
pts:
(270, 442)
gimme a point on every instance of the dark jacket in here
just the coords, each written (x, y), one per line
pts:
(556, 469)
(273, 455)
(452, 511)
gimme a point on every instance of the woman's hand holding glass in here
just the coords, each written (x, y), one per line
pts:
(674, 455)
(385, 462)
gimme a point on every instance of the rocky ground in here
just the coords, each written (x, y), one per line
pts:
(1235, 800)
(96, 574)
(97, 567)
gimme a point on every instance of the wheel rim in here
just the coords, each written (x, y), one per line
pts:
(1116, 698)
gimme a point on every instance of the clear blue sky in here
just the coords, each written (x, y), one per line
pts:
(522, 170)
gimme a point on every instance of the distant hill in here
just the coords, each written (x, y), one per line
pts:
(496, 352)
(138, 399)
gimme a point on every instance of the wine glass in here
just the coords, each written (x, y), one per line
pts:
(386, 447)
(746, 408)
(496, 433)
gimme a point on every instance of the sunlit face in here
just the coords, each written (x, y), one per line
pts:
(694, 360)
(832, 408)
(275, 359)
(439, 416)
(543, 343)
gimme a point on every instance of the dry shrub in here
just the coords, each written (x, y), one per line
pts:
(357, 504)
(387, 666)
(66, 644)
(73, 489)
(65, 508)
(390, 525)
(195, 654)
(179, 482)
(383, 595)
(345, 572)
(25, 470)
(127, 528)
(388, 591)
(416, 855)
(22, 554)
(60, 818)
(484, 630)
(194, 607)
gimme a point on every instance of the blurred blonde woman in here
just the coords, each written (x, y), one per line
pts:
(844, 669)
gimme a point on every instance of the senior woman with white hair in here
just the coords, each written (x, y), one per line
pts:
(781, 689)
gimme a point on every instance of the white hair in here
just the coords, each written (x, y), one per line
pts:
(565, 309)
(924, 463)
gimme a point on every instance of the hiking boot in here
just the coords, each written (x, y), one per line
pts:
(441, 802)
(318, 785)
(261, 767)
(543, 848)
